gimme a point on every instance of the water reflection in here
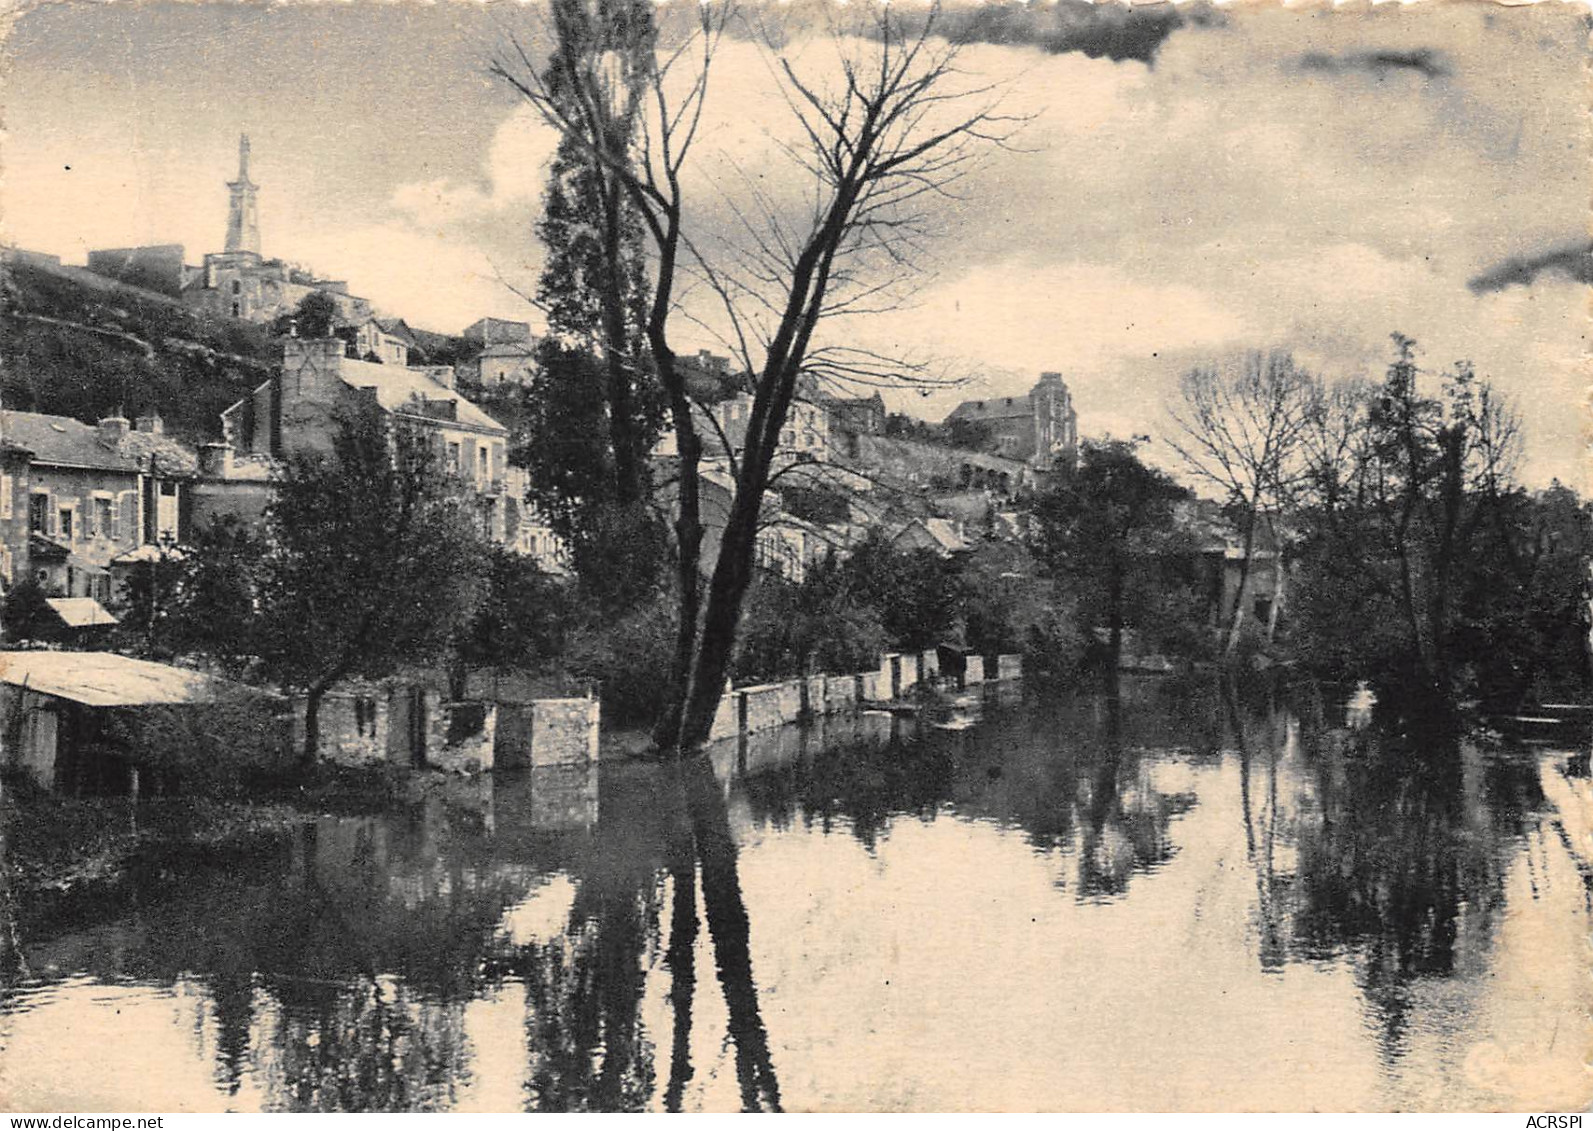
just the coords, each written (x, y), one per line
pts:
(1240, 883)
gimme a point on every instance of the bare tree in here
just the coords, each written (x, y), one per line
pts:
(894, 130)
(1241, 429)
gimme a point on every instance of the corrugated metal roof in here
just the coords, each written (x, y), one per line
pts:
(103, 679)
(80, 612)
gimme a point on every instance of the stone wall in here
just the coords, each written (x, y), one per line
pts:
(929, 665)
(727, 717)
(974, 671)
(813, 695)
(909, 672)
(352, 725)
(564, 732)
(463, 737)
(1009, 667)
(770, 705)
(873, 686)
(840, 693)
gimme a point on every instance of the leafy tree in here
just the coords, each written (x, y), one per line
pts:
(373, 559)
(26, 615)
(213, 608)
(597, 403)
(522, 616)
(1107, 530)
(316, 316)
(1408, 494)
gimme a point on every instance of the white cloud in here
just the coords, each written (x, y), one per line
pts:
(513, 173)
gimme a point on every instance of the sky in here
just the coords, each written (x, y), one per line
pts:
(1188, 183)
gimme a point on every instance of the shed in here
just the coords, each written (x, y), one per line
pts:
(81, 612)
(54, 707)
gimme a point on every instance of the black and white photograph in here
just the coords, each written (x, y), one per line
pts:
(795, 555)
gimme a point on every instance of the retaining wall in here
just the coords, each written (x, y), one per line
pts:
(547, 732)
(1009, 667)
(463, 737)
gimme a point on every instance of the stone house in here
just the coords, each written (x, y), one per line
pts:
(303, 407)
(81, 505)
(500, 363)
(1041, 429)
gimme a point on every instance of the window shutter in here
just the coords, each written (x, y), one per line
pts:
(116, 516)
(5, 496)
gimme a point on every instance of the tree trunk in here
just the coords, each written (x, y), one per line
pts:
(1237, 619)
(312, 725)
(730, 931)
(716, 644)
(1114, 612)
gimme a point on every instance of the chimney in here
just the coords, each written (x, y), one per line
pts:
(113, 430)
(151, 423)
(324, 353)
(215, 461)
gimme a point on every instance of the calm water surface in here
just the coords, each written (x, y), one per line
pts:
(1176, 902)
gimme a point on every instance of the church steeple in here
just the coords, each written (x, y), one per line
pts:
(243, 218)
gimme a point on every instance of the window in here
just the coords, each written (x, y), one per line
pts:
(102, 518)
(482, 456)
(65, 525)
(39, 512)
(237, 309)
(237, 287)
(453, 457)
(166, 510)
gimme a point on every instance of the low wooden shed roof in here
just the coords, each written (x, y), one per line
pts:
(103, 679)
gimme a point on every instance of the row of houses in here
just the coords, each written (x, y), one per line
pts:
(82, 505)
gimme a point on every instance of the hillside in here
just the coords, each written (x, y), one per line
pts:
(77, 344)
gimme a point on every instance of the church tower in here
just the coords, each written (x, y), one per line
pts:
(243, 217)
(1056, 424)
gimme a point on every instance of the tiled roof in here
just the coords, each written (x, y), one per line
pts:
(165, 454)
(996, 408)
(399, 389)
(63, 441)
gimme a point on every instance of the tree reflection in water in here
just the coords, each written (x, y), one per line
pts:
(588, 1048)
(340, 962)
(1400, 837)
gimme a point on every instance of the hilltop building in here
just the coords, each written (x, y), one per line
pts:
(236, 282)
(1041, 429)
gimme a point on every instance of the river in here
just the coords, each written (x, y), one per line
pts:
(1170, 901)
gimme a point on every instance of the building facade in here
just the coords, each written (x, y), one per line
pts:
(1042, 429)
(82, 505)
(303, 408)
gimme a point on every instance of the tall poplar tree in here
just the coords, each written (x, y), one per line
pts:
(596, 407)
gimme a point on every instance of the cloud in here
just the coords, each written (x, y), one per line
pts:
(1424, 61)
(1573, 262)
(512, 174)
(1097, 31)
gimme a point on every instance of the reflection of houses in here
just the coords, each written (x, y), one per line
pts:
(1040, 429)
(302, 408)
(80, 505)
